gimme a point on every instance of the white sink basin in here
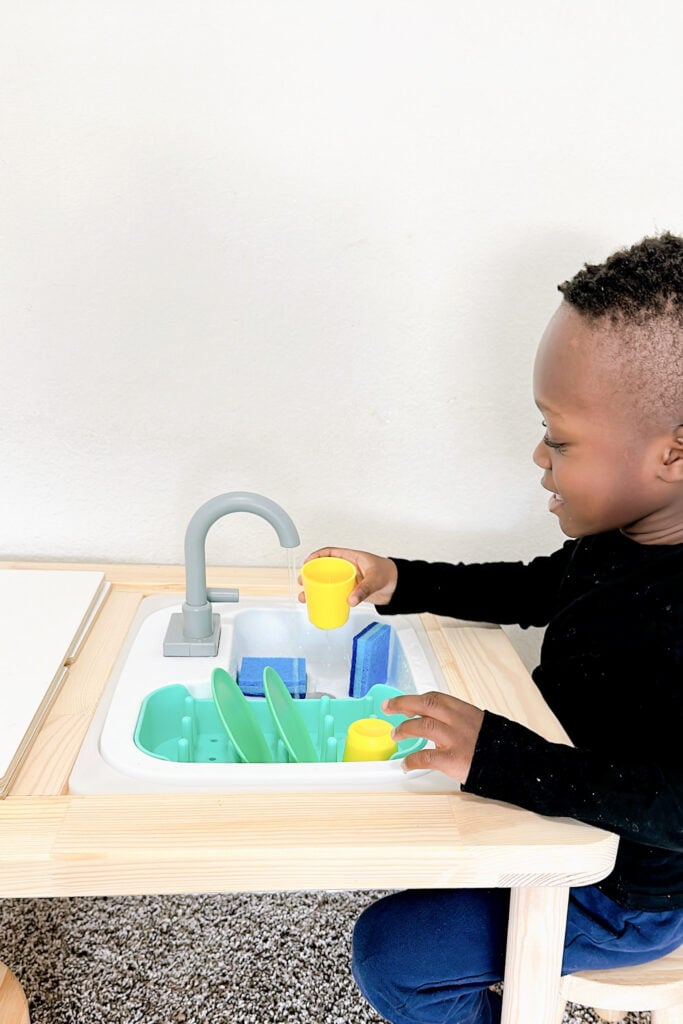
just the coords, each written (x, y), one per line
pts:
(110, 761)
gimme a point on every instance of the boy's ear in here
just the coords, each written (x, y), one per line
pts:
(671, 467)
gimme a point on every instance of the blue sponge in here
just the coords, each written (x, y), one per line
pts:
(370, 660)
(292, 671)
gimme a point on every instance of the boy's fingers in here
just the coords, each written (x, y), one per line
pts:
(346, 553)
(422, 728)
(375, 576)
(451, 724)
(435, 760)
(430, 705)
(366, 586)
(330, 553)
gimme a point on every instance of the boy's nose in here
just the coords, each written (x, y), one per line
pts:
(541, 456)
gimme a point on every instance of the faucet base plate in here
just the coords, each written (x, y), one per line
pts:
(176, 644)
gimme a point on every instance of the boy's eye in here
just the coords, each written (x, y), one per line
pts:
(557, 446)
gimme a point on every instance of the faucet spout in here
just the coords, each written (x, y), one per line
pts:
(209, 513)
(197, 630)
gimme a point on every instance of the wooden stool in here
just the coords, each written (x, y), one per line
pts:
(13, 1005)
(657, 986)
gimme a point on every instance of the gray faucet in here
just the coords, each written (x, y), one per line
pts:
(197, 630)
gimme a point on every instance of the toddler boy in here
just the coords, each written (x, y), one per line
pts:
(608, 383)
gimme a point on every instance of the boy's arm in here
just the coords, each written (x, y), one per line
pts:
(501, 592)
(639, 798)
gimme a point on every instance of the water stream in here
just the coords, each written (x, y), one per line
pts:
(293, 574)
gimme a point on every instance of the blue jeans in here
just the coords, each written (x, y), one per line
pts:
(428, 956)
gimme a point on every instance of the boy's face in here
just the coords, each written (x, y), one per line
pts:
(599, 462)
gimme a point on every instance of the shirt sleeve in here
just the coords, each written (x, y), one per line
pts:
(500, 592)
(640, 800)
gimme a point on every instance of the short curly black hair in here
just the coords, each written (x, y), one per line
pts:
(633, 285)
(634, 302)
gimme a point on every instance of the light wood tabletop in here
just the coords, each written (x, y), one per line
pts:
(56, 844)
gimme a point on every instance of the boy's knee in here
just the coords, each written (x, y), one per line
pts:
(369, 945)
(430, 955)
(378, 955)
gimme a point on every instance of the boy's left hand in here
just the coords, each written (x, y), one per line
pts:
(452, 725)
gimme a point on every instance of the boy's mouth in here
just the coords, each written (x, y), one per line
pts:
(555, 500)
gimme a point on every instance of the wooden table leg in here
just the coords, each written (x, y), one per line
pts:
(535, 943)
(13, 1005)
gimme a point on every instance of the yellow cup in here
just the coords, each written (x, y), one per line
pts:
(369, 739)
(327, 584)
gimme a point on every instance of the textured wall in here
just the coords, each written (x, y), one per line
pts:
(306, 248)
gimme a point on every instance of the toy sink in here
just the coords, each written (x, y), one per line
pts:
(110, 760)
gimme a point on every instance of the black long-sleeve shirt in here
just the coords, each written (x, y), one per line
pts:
(611, 669)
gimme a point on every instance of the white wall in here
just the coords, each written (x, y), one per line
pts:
(306, 248)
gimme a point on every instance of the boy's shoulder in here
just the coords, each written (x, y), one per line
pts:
(620, 553)
(616, 569)
(623, 602)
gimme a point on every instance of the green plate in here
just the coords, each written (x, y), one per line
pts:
(288, 719)
(238, 719)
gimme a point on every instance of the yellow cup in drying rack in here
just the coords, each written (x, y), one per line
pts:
(327, 585)
(369, 739)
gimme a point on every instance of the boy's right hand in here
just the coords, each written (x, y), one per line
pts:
(376, 577)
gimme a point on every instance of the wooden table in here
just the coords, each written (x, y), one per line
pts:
(55, 844)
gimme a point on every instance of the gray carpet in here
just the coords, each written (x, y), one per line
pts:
(275, 958)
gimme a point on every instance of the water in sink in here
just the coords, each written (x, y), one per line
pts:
(109, 760)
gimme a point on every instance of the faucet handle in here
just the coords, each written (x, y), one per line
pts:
(222, 594)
